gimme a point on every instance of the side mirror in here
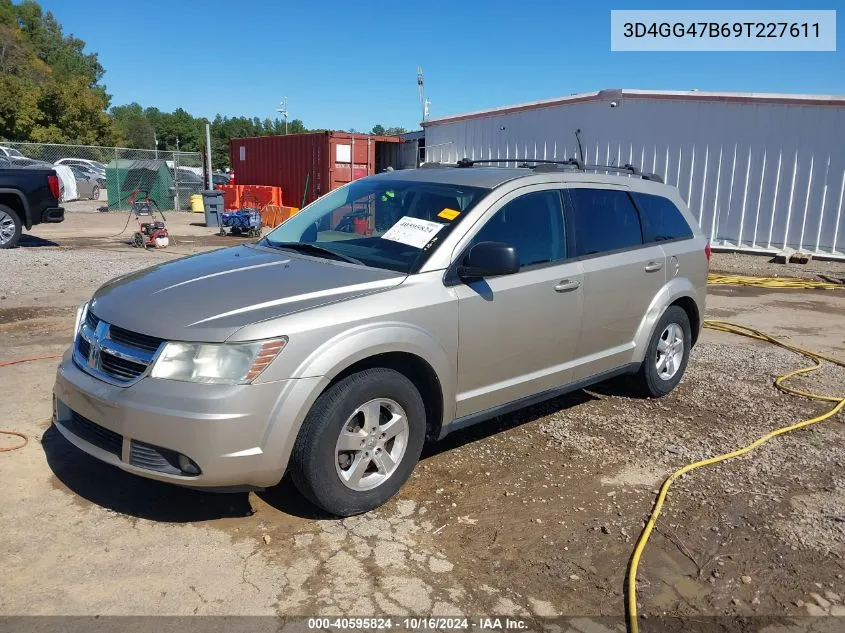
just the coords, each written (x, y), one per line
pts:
(489, 259)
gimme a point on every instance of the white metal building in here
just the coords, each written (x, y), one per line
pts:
(759, 171)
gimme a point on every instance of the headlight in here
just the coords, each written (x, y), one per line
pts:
(80, 314)
(227, 363)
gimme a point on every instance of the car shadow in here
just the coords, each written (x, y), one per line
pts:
(496, 425)
(33, 241)
(112, 488)
(285, 497)
(109, 487)
(620, 387)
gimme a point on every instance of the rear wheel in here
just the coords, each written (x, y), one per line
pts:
(95, 193)
(359, 442)
(10, 227)
(667, 354)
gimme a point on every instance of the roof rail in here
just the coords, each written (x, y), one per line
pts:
(526, 163)
(626, 169)
(542, 165)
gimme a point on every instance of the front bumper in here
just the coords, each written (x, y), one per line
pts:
(53, 215)
(238, 436)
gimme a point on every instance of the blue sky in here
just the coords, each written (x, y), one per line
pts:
(349, 64)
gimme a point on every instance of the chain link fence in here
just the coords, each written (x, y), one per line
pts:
(112, 174)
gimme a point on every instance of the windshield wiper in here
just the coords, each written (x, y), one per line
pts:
(313, 249)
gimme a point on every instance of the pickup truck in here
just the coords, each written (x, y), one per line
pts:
(27, 197)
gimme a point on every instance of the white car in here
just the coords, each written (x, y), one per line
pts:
(10, 152)
(95, 166)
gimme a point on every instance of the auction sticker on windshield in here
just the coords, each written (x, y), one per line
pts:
(412, 231)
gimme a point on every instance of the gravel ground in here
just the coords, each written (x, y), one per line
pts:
(55, 270)
(764, 266)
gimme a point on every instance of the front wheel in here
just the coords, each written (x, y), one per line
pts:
(359, 442)
(95, 193)
(667, 354)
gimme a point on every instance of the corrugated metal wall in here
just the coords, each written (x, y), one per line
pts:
(755, 175)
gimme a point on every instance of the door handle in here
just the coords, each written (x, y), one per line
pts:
(567, 284)
(653, 267)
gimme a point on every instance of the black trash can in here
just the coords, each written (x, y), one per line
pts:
(213, 203)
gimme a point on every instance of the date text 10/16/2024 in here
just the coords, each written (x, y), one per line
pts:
(419, 624)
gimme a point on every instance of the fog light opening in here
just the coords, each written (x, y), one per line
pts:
(187, 465)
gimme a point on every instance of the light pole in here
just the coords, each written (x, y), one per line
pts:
(283, 110)
(155, 142)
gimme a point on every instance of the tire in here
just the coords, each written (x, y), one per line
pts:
(95, 193)
(318, 464)
(649, 380)
(10, 227)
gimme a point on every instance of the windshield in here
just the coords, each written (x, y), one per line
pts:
(383, 223)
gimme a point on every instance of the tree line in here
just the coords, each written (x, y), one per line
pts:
(51, 92)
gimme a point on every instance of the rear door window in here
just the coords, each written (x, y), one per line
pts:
(602, 221)
(662, 220)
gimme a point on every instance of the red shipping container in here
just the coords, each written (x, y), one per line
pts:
(310, 165)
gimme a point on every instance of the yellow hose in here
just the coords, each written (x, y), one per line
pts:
(771, 282)
(741, 330)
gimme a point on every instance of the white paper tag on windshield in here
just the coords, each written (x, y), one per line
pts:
(412, 231)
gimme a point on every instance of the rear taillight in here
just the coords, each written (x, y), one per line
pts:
(53, 181)
(707, 252)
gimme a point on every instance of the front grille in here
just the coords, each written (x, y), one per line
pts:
(161, 460)
(94, 434)
(83, 346)
(133, 339)
(120, 368)
(112, 353)
(91, 320)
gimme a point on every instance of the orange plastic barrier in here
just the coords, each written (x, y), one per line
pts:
(231, 197)
(265, 195)
(273, 215)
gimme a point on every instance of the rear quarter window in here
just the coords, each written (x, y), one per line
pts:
(662, 220)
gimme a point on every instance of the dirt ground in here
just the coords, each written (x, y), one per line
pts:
(531, 515)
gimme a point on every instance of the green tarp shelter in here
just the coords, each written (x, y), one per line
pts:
(124, 176)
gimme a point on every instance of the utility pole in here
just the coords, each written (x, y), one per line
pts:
(208, 154)
(421, 86)
(155, 142)
(283, 110)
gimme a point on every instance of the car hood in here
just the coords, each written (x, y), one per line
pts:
(208, 297)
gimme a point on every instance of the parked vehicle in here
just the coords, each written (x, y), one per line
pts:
(9, 152)
(27, 197)
(16, 162)
(90, 173)
(393, 310)
(95, 166)
(187, 183)
(21, 161)
(219, 179)
(88, 185)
